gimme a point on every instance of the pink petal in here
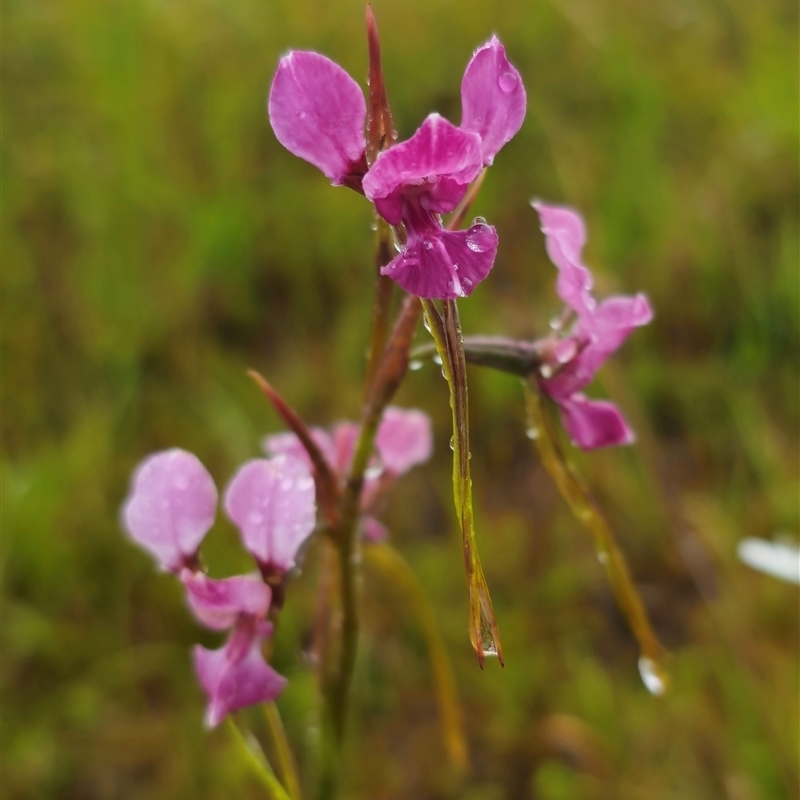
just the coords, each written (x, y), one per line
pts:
(594, 423)
(492, 98)
(565, 236)
(289, 445)
(437, 163)
(218, 603)
(236, 675)
(373, 530)
(344, 436)
(445, 264)
(318, 113)
(171, 506)
(609, 326)
(404, 439)
(272, 503)
(622, 313)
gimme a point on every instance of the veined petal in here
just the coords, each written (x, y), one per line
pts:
(565, 236)
(272, 503)
(445, 264)
(171, 506)
(236, 675)
(404, 439)
(493, 98)
(218, 603)
(594, 423)
(438, 163)
(318, 113)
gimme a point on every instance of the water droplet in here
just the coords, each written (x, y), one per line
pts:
(557, 322)
(374, 225)
(467, 282)
(546, 370)
(532, 432)
(437, 359)
(426, 322)
(427, 244)
(452, 443)
(301, 114)
(653, 676)
(373, 472)
(415, 365)
(455, 266)
(478, 221)
(507, 82)
(602, 557)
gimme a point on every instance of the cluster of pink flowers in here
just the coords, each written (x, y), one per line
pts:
(172, 506)
(318, 113)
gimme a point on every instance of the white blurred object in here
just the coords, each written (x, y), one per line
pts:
(775, 558)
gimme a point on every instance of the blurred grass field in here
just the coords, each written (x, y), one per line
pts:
(157, 241)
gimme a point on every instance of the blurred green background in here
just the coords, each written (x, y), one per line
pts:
(157, 241)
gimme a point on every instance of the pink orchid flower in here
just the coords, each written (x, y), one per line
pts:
(404, 439)
(170, 509)
(318, 113)
(599, 329)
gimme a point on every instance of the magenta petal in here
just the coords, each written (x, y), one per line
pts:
(404, 439)
(594, 423)
(236, 675)
(318, 113)
(438, 153)
(565, 236)
(445, 264)
(171, 506)
(218, 603)
(272, 502)
(492, 98)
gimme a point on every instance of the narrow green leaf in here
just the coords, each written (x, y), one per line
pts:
(446, 331)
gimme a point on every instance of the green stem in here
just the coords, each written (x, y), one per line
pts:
(589, 515)
(397, 569)
(286, 766)
(258, 763)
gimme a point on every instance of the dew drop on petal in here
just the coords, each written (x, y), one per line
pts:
(507, 82)
(428, 244)
(652, 676)
(478, 221)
